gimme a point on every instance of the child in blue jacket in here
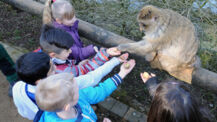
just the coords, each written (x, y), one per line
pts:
(62, 100)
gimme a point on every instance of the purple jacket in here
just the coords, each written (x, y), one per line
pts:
(79, 52)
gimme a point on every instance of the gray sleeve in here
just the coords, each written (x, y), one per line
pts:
(94, 77)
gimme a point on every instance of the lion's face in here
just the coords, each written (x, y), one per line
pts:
(148, 19)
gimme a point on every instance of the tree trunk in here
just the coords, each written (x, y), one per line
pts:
(201, 77)
(29, 6)
(204, 78)
(100, 35)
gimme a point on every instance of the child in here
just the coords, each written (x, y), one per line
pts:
(61, 14)
(57, 43)
(32, 67)
(62, 101)
(172, 103)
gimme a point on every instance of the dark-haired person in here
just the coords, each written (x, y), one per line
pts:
(8, 68)
(172, 102)
(31, 68)
(57, 42)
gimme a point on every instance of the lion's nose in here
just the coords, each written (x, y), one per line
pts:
(141, 29)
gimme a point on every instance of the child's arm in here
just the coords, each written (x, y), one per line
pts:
(90, 65)
(97, 94)
(150, 81)
(94, 77)
(79, 53)
(99, 59)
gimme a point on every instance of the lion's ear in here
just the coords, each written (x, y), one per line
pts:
(145, 14)
(148, 12)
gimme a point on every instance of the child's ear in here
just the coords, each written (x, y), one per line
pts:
(36, 82)
(52, 55)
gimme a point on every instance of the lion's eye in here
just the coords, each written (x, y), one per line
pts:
(144, 25)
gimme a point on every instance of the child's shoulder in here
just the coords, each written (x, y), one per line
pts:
(19, 85)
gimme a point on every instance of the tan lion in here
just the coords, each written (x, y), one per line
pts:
(170, 42)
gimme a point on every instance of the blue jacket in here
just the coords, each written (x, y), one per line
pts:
(87, 96)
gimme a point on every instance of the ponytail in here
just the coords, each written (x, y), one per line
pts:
(47, 13)
(59, 9)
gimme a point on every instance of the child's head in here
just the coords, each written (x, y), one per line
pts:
(172, 103)
(32, 67)
(57, 92)
(56, 42)
(61, 11)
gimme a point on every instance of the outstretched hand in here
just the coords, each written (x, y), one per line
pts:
(146, 76)
(126, 70)
(123, 57)
(113, 51)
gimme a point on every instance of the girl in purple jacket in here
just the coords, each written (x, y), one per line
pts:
(61, 14)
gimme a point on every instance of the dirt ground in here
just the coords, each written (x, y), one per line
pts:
(8, 112)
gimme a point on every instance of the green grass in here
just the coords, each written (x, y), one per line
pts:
(208, 59)
(17, 32)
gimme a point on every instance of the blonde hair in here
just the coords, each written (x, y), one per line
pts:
(55, 91)
(61, 9)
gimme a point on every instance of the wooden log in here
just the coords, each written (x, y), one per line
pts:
(204, 78)
(29, 6)
(100, 35)
(201, 77)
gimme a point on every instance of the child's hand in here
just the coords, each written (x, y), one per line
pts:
(123, 57)
(106, 120)
(113, 51)
(145, 76)
(124, 71)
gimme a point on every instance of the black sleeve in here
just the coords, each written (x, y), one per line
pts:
(152, 85)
